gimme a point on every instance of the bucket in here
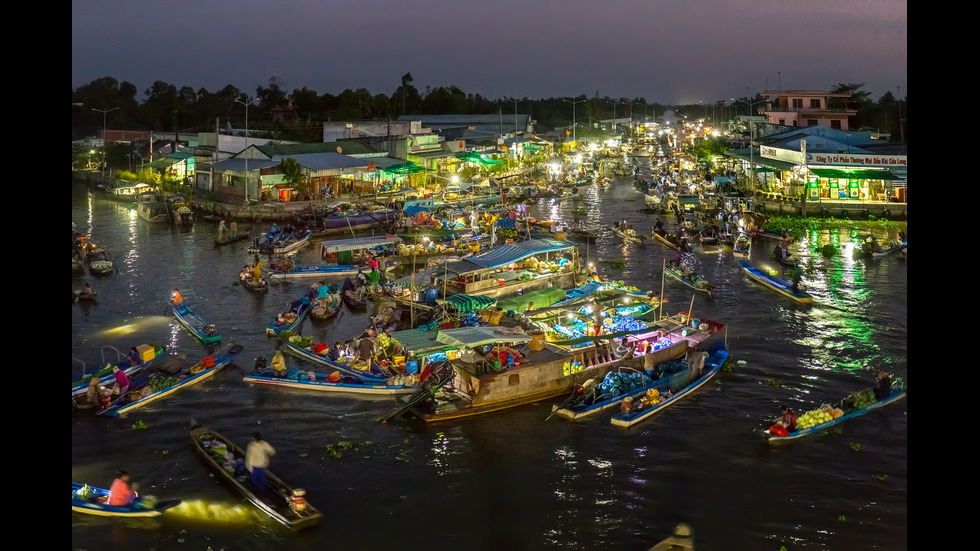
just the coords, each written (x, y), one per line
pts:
(537, 340)
(412, 366)
(495, 316)
(560, 236)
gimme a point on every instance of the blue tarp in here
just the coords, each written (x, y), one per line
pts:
(512, 252)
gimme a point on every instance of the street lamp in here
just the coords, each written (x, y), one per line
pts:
(751, 136)
(104, 112)
(246, 104)
(574, 103)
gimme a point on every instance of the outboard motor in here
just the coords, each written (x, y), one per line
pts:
(260, 363)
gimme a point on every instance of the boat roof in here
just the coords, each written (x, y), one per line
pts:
(426, 342)
(512, 252)
(357, 243)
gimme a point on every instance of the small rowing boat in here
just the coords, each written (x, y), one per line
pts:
(774, 283)
(294, 314)
(712, 365)
(629, 235)
(92, 501)
(205, 331)
(853, 406)
(689, 278)
(286, 505)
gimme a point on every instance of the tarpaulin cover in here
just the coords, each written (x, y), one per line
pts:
(479, 336)
(541, 299)
(469, 303)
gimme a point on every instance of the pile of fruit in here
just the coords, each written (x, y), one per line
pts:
(301, 341)
(815, 417)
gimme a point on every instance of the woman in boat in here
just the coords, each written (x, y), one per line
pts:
(257, 456)
(788, 418)
(122, 381)
(122, 493)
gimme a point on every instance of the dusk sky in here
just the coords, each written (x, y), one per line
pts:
(668, 51)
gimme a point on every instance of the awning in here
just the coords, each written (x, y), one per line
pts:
(468, 303)
(474, 157)
(541, 298)
(479, 336)
(857, 174)
(512, 252)
(357, 243)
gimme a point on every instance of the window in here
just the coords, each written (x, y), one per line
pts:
(835, 124)
(811, 122)
(782, 122)
(814, 104)
(797, 103)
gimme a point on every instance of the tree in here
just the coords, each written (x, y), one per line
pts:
(294, 174)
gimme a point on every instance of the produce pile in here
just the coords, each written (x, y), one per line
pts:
(158, 384)
(859, 400)
(814, 417)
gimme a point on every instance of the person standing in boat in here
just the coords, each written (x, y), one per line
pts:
(176, 299)
(884, 388)
(596, 318)
(122, 381)
(221, 230)
(257, 457)
(134, 357)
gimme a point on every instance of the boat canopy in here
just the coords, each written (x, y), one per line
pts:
(513, 252)
(541, 299)
(478, 336)
(470, 303)
(357, 243)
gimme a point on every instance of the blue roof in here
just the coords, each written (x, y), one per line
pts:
(512, 252)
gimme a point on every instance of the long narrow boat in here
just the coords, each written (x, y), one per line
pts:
(196, 324)
(293, 242)
(291, 318)
(774, 283)
(277, 500)
(712, 365)
(106, 376)
(324, 382)
(588, 401)
(634, 238)
(694, 280)
(370, 376)
(152, 385)
(91, 501)
(895, 396)
(323, 271)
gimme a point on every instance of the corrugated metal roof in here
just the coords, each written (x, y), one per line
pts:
(325, 161)
(512, 252)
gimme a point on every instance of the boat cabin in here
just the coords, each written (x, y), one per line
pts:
(346, 251)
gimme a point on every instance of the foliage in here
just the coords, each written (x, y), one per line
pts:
(294, 174)
(139, 425)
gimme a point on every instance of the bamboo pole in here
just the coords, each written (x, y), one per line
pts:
(663, 274)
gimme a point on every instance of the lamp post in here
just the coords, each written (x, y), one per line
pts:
(246, 104)
(574, 103)
(751, 137)
(105, 113)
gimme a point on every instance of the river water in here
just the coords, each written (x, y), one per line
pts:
(509, 480)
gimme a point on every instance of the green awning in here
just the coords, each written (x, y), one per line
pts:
(541, 298)
(470, 303)
(478, 336)
(856, 174)
(474, 157)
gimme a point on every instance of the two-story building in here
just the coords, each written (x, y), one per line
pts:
(808, 108)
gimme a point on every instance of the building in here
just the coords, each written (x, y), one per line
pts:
(801, 108)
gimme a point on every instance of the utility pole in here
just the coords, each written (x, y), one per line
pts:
(104, 112)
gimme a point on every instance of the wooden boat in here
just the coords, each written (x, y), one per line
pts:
(692, 279)
(250, 284)
(328, 382)
(371, 375)
(276, 501)
(895, 396)
(671, 240)
(326, 307)
(228, 240)
(292, 242)
(152, 209)
(774, 283)
(353, 303)
(586, 401)
(100, 268)
(78, 296)
(91, 501)
(630, 238)
(106, 377)
(196, 324)
(152, 384)
(292, 317)
(179, 211)
(712, 365)
(479, 387)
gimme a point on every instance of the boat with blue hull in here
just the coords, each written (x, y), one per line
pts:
(324, 382)
(292, 317)
(776, 284)
(151, 385)
(895, 396)
(370, 375)
(92, 501)
(201, 328)
(712, 365)
(106, 375)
